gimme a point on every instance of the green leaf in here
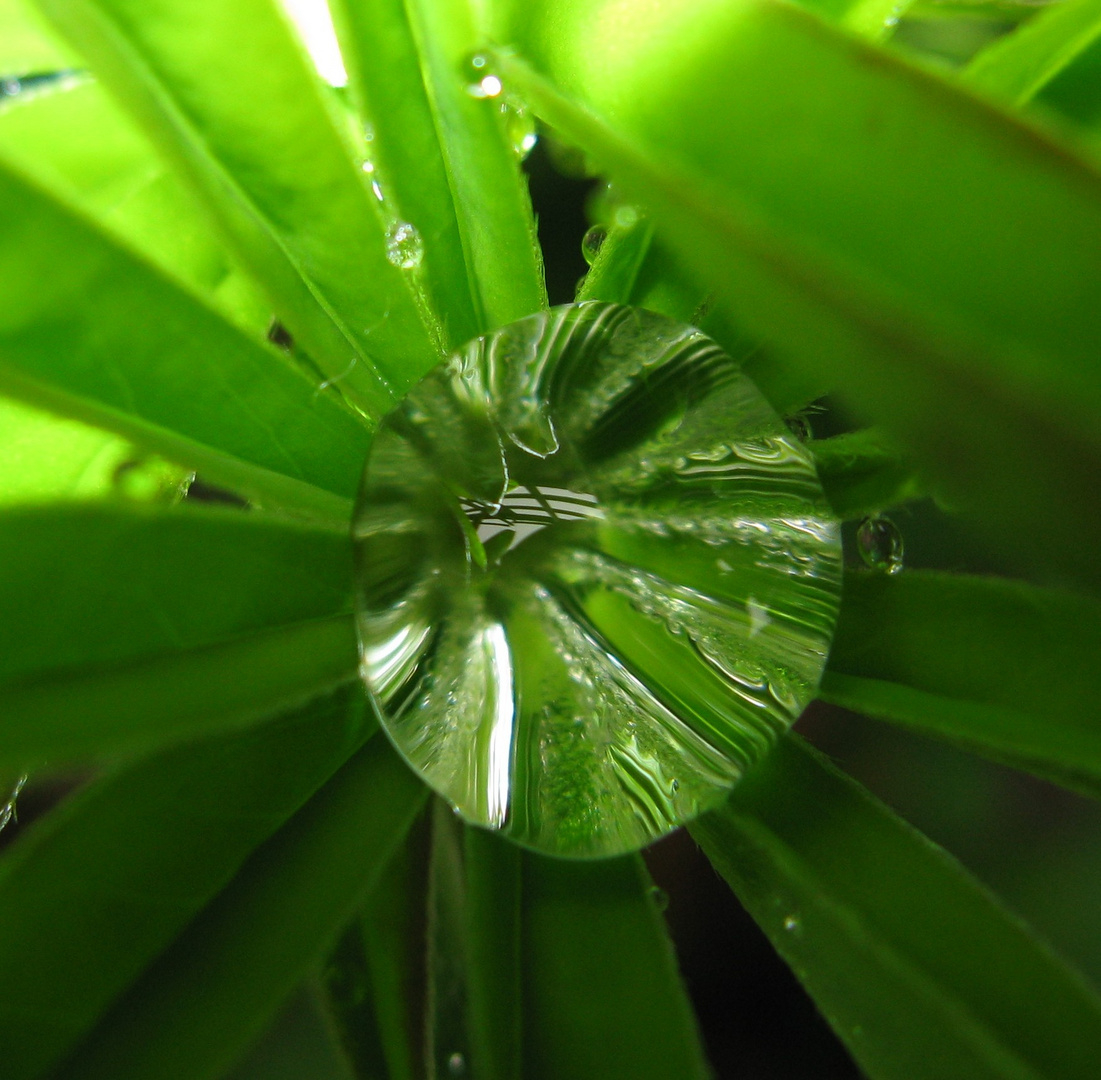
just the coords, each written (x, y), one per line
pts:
(1075, 92)
(375, 978)
(446, 1032)
(124, 627)
(74, 139)
(490, 194)
(1018, 66)
(973, 343)
(1006, 669)
(90, 896)
(405, 151)
(494, 931)
(862, 473)
(917, 968)
(140, 356)
(213, 991)
(27, 45)
(602, 996)
(242, 117)
(46, 459)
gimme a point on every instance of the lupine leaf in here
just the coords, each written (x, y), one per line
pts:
(125, 626)
(861, 473)
(93, 894)
(242, 117)
(405, 151)
(47, 459)
(375, 977)
(1018, 66)
(1006, 669)
(494, 930)
(27, 46)
(139, 355)
(917, 968)
(73, 137)
(788, 165)
(602, 996)
(490, 194)
(210, 994)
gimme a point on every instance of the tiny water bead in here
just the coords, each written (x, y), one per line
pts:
(8, 807)
(596, 578)
(404, 246)
(592, 242)
(519, 127)
(481, 80)
(879, 542)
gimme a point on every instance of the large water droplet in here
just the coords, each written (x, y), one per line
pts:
(404, 246)
(597, 578)
(592, 242)
(880, 544)
(481, 80)
(456, 1065)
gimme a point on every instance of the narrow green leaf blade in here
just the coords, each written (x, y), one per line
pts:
(375, 979)
(1019, 65)
(602, 996)
(962, 316)
(1001, 667)
(65, 717)
(123, 625)
(863, 473)
(138, 355)
(240, 113)
(212, 992)
(75, 140)
(47, 459)
(27, 46)
(494, 932)
(90, 896)
(490, 194)
(405, 151)
(917, 968)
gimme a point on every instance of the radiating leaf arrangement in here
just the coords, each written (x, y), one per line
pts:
(216, 264)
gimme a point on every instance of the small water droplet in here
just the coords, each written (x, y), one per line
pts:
(792, 924)
(481, 80)
(674, 786)
(799, 426)
(404, 246)
(880, 544)
(456, 1065)
(660, 897)
(519, 127)
(10, 87)
(7, 809)
(592, 242)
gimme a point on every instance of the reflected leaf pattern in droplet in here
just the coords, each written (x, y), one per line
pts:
(597, 578)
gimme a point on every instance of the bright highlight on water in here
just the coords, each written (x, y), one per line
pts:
(597, 578)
